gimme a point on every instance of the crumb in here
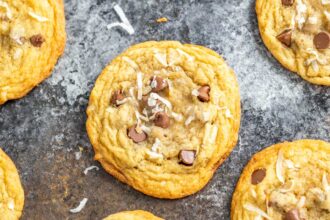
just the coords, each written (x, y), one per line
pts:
(162, 20)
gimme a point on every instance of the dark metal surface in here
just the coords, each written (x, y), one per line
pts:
(42, 131)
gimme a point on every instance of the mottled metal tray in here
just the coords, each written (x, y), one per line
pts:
(42, 131)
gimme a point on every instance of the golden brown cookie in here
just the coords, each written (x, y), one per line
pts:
(11, 191)
(297, 33)
(32, 37)
(132, 215)
(163, 116)
(287, 181)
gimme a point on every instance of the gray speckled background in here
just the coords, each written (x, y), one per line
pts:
(42, 131)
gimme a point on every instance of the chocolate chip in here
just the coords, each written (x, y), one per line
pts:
(135, 136)
(158, 83)
(204, 93)
(162, 120)
(187, 157)
(258, 176)
(293, 214)
(117, 96)
(285, 37)
(322, 40)
(37, 40)
(287, 2)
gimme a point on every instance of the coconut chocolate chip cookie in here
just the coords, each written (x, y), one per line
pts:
(32, 37)
(288, 181)
(297, 33)
(11, 191)
(163, 116)
(133, 215)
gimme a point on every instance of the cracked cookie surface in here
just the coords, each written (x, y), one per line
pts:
(163, 116)
(297, 33)
(132, 215)
(32, 37)
(287, 181)
(11, 191)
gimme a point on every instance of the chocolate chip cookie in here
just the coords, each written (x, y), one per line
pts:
(287, 181)
(11, 191)
(297, 33)
(133, 215)
(32, 37)
(163, 116)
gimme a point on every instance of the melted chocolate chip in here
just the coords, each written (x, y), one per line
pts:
(187, 157)
(117, 96)
(322, 40)
(258, 176)
(287, 2)
(135, 136)
(37, 40)
(293, 214)
(158, 83)
(162, 120)
(204, 93)
(285, 37)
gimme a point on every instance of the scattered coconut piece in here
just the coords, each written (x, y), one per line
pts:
(301, 9)
(206, 116)
(161, 58)
(189, 120)
(154, 155)
(125, 24)
(37, 17)
(195, 92)
(285, 190)
(9, 13)
(325, 182)
(190, 58)
(156, 145)
(90, 168)
(131, 62)
(176, 116)
(17, 33)
(139, 85)
(163, 100)
(145, 129)
(257, 210)
(327, 15)
(77, 155)
(253, 193)
(123, 101)
(210, 134)
(325, 2)
(162, 20)
(18, 53)
(81, 205)
(11, 204)
(279, 167)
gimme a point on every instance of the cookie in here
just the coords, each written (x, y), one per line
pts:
(132, 215)
(163, 116)
(32, 37)
(11, 191)
(297, 33)
(287, 181)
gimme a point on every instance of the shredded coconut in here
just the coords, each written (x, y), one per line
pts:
(154, 155)
(210, 134)
(11, 204)
(228, 113)
(253, 193)
(327, 15)
(163, 100)
(195, 92)
(312, 20)
(279, 167)
(325, 2)
(81, 205)
(176, 116)
(156, 145)
(139, 85)
(301, 202)
(255, 209)
(146, 129)
(190, 58)
(285, 190)
(131, 62)
(90, 168)
(125, 24)
(38, 17)
(206, 116)
(153, 83)
(301, 9)
(161, 58)
(77, 155)
(4, 5)
(189, 120)
(16, 34)
(18, 53)
(139, 116)
(120, 102)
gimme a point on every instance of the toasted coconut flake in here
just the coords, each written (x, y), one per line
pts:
(139, 85)
(176, 116)
(301, 202)
(228, 113)
(37, 17)
(325, 182)
(214, 134)
(301, 9)
(190, 58)
(9, 13)
(161, 58)
(315, 66)
(312, 20)
(125, 24)
(11, 204)
(253, 193)
(140, 117)
(325, 2)
(163, 100)
(257, 210)
(16, 34)
(78, 155)
(145, 129)
(154, 155)
(258, 217)
(327, 15)
(156, 145)
(81, 205)
(123, 101)
(279, 167)
(290, 188)
(195, 92)
(18, 53)
(189, 120)
(131, 62)
(90, 168)
(289, 164)
(206, 116)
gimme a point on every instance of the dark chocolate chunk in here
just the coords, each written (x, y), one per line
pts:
(293, 214)
(117, 96)
(187, 157)
(37, 40)
(287, 2)
(135, 136)
(285, 37)
(258, 176)
(204, 93)
(322, 40)
(162, 120)
(158, 84)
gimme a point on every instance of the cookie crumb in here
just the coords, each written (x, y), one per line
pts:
(162, 20)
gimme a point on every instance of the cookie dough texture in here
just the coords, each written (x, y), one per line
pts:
(11, 191)
(32, 37)
(133, 215)
(212, 133)
(306, 18)
(296, 181)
